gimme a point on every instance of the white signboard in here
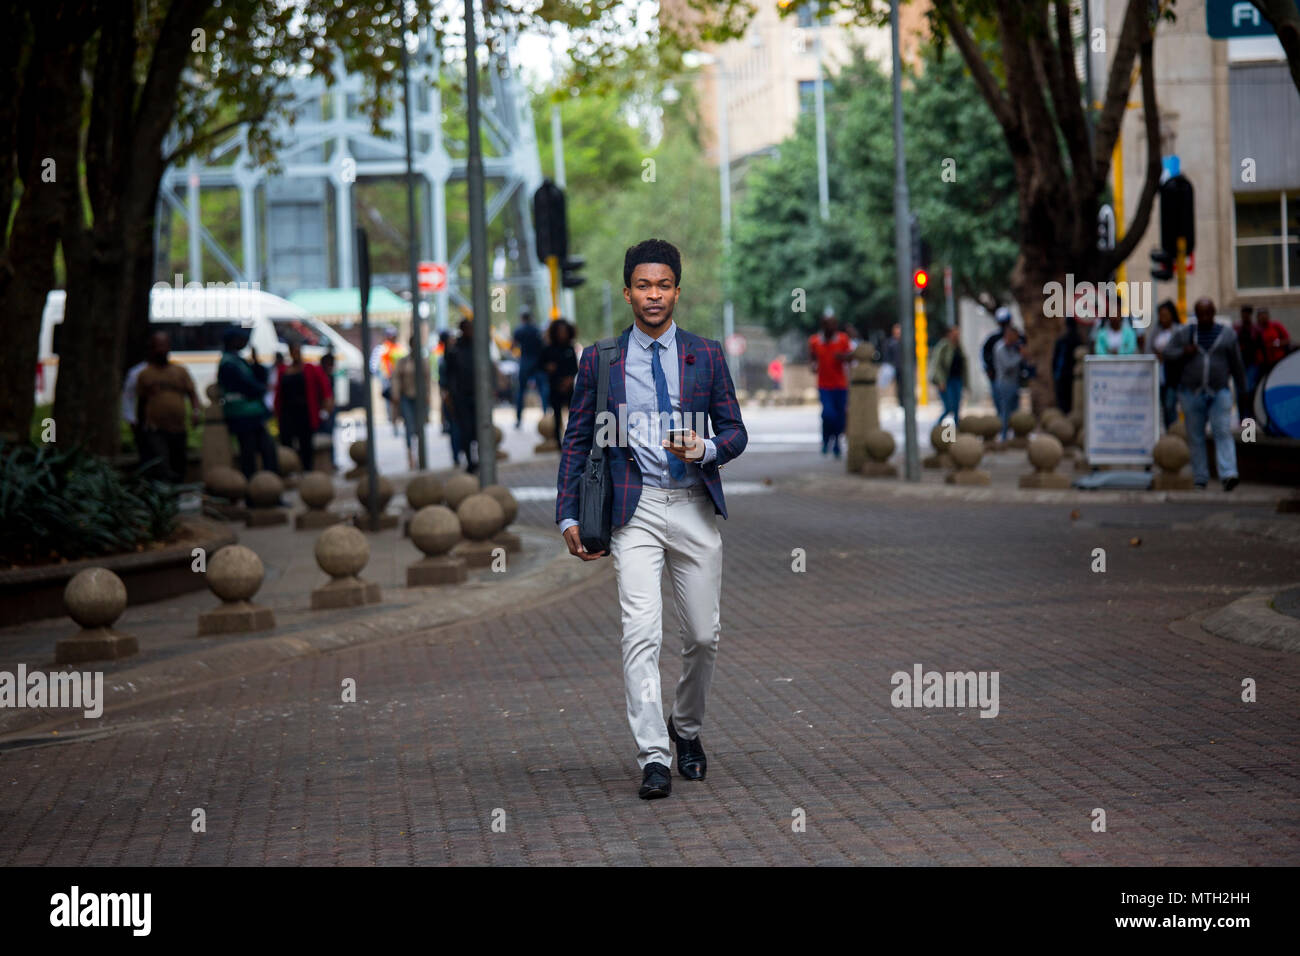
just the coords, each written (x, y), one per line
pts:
(1122, 408)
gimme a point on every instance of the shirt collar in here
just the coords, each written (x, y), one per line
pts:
(645, 341)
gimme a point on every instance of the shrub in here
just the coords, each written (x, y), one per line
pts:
(67, 504)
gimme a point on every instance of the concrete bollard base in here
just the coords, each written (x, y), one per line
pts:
(94, 644)
(236, 617)
(443, 569)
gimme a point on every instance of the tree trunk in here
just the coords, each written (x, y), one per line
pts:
(45, 127)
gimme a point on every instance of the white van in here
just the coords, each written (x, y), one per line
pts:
(194, 320)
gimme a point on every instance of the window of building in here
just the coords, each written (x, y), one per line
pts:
(806, 14)
(1268, 240)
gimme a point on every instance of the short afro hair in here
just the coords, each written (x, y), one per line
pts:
(656, 251)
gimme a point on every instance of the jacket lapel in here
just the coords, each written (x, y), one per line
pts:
(618, 373)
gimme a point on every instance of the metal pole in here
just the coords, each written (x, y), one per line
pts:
(372, 471)
(413, 244)
(902, 252)
(823, 186)
(484, 377)
(724, 174)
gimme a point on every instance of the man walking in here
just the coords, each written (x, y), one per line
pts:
(460, 396)
(162, 389)
(528, 340)
(1210, 359)
(243, 403)
(948, 372)
(667, 494)
(828, 352)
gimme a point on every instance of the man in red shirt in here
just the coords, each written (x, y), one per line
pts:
(1274, 342)
(829, 351)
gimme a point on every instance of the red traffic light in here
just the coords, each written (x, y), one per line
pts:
(920, 279)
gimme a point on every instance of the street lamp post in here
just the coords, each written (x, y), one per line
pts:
(413, 242)
(902, 252)
(484, 379)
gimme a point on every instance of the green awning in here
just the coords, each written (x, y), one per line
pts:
(344, 305)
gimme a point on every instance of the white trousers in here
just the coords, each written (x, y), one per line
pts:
(678, 525)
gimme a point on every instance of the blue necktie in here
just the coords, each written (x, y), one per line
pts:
(676, 467)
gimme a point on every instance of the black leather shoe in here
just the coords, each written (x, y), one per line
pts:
(691, 762)
(656, 781)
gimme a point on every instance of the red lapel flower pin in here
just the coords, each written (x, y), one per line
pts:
(690, 358)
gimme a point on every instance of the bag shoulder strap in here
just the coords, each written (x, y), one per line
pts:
(606, 350)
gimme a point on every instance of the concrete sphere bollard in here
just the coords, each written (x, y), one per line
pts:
(290, 463)
(265, 489)
(1045, 452)
(1062, 429)
(985, 426)
(316, 489)
(95, 597)
(1171, 453)
(880, 444)
(422, 491)
(457, 488)
(383, 487)
(1048, 415)
(357, 452)
(224, 482)
(936, 437)
(546, 427)
(481, 516)
(506, 499)
(342, 551)
(1022, 423)
(967, 451)
(235, 573)
(435, 530)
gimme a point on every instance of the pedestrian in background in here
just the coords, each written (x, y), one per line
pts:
(1116, 337)
(528, 342)
(1167, 320)
(776, 372)
(1252, 354)
(1003, 318)
(243, 386)
(559, 360)
(948, 372)
(1063, 364)
(1210, 362)
(162, 388)
(828, 352)
(406, 388)
(130, 411)
(1274, 340)
(299, 398)
(449, 426)
(330, 413)
(891, 353)
(1007, 367)
(460, 392)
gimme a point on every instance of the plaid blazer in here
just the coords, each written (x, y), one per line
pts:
(705, 387)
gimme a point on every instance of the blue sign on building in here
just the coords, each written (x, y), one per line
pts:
(1228, 19)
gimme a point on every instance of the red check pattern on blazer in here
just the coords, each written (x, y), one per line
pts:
(706, 386)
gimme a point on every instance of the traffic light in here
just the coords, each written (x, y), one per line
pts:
(550, 222)
(1177, 213)
(1162, 265)
(569, 277)
(920, 258)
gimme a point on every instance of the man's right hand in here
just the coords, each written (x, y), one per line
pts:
(572, 539)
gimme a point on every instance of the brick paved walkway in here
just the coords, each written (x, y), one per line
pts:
(1101, 705)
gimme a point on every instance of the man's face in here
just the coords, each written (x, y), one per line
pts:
(1247, 312)
(1205, 312)
(159, 346)
(653, 294)
(829, 325)
(954, 335)
(896, 332)
(1262, 318)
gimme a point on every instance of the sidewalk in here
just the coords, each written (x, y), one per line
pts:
(173, 656)
(1108, 699)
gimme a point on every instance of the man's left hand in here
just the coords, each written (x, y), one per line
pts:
(691, 450)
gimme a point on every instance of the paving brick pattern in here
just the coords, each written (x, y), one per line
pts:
(519, 717)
